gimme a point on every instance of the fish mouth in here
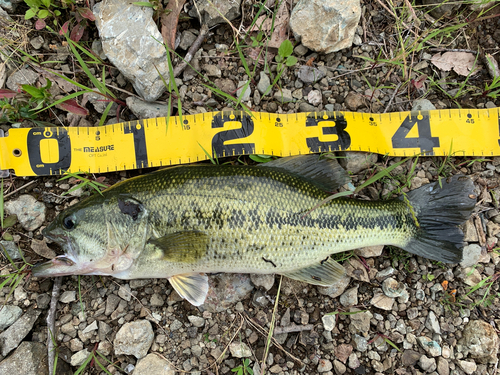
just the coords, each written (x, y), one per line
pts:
(59, 266)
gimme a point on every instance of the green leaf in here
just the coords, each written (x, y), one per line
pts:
(46, 3)
(33, 3)
(48, 85)
(30, 13)
(260, 158)
(9, 221)
(291, 61)
(43, 13)
(57, 13)
(7, 236)
(33, 91)
(286, 48)
(143, 4)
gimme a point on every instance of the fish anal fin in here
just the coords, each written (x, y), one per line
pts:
(192, 287)
(183, 246)
(324, 273)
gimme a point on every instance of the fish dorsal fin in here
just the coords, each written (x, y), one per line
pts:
(186, 246)
(192, 287)
(324, 273)
(325, 172)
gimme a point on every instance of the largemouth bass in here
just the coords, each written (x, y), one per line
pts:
(183, 222)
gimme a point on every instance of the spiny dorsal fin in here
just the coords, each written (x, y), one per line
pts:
(185, 246)
(325, 172)
(193, 287)
(324, 273)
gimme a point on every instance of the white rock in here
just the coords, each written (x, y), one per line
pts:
(431, 323)
(431, 347)
(8, 315)
(196, 321)
(152, 364)
(78, 358)
(240, 350)
(68, 296)
(471, 255)
(335, 290)
(30, 212)
(91, 327)
(328, 322)
(334, 24)
(125, 292)
(130, 38)
(134, 338)
(382, 301)
(314, 97)
(468, 367)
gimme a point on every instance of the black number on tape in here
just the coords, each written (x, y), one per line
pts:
(338, 127)
(425, 141)
(141, 152)
(499, 129)
(35, 137)
(219, 148)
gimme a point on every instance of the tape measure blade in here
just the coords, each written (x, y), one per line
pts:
(3, 172)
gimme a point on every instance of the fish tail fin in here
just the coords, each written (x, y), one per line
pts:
(438, 211)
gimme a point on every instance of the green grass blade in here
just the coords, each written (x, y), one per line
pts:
(105, 113)
(84, 365)
(208, 155)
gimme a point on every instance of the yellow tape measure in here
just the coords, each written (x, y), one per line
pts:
(167, 141)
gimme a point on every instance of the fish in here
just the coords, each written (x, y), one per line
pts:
(185, 222)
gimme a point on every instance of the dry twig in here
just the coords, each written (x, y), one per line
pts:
(51, 323)
(292, 328)
(190, 54)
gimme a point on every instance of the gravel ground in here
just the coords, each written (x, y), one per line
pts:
(393, 313)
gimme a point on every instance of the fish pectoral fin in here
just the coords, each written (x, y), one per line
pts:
(324, 273)
(185, 246)
(193, 287)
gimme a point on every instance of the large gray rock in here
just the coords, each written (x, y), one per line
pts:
(132, 42)
(12, 336)
(11, 249)
(134, 338)
(153, 364)
(325, 25)
(30, 358)
(8, 315)
(225, 290)
(214, 12)
(30, 212)
(23, 76)
(479, 341)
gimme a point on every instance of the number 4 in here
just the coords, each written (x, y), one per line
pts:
(425, 141)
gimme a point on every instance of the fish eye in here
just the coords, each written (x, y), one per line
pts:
(69, 222)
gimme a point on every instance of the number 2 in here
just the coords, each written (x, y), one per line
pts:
(220, 149)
